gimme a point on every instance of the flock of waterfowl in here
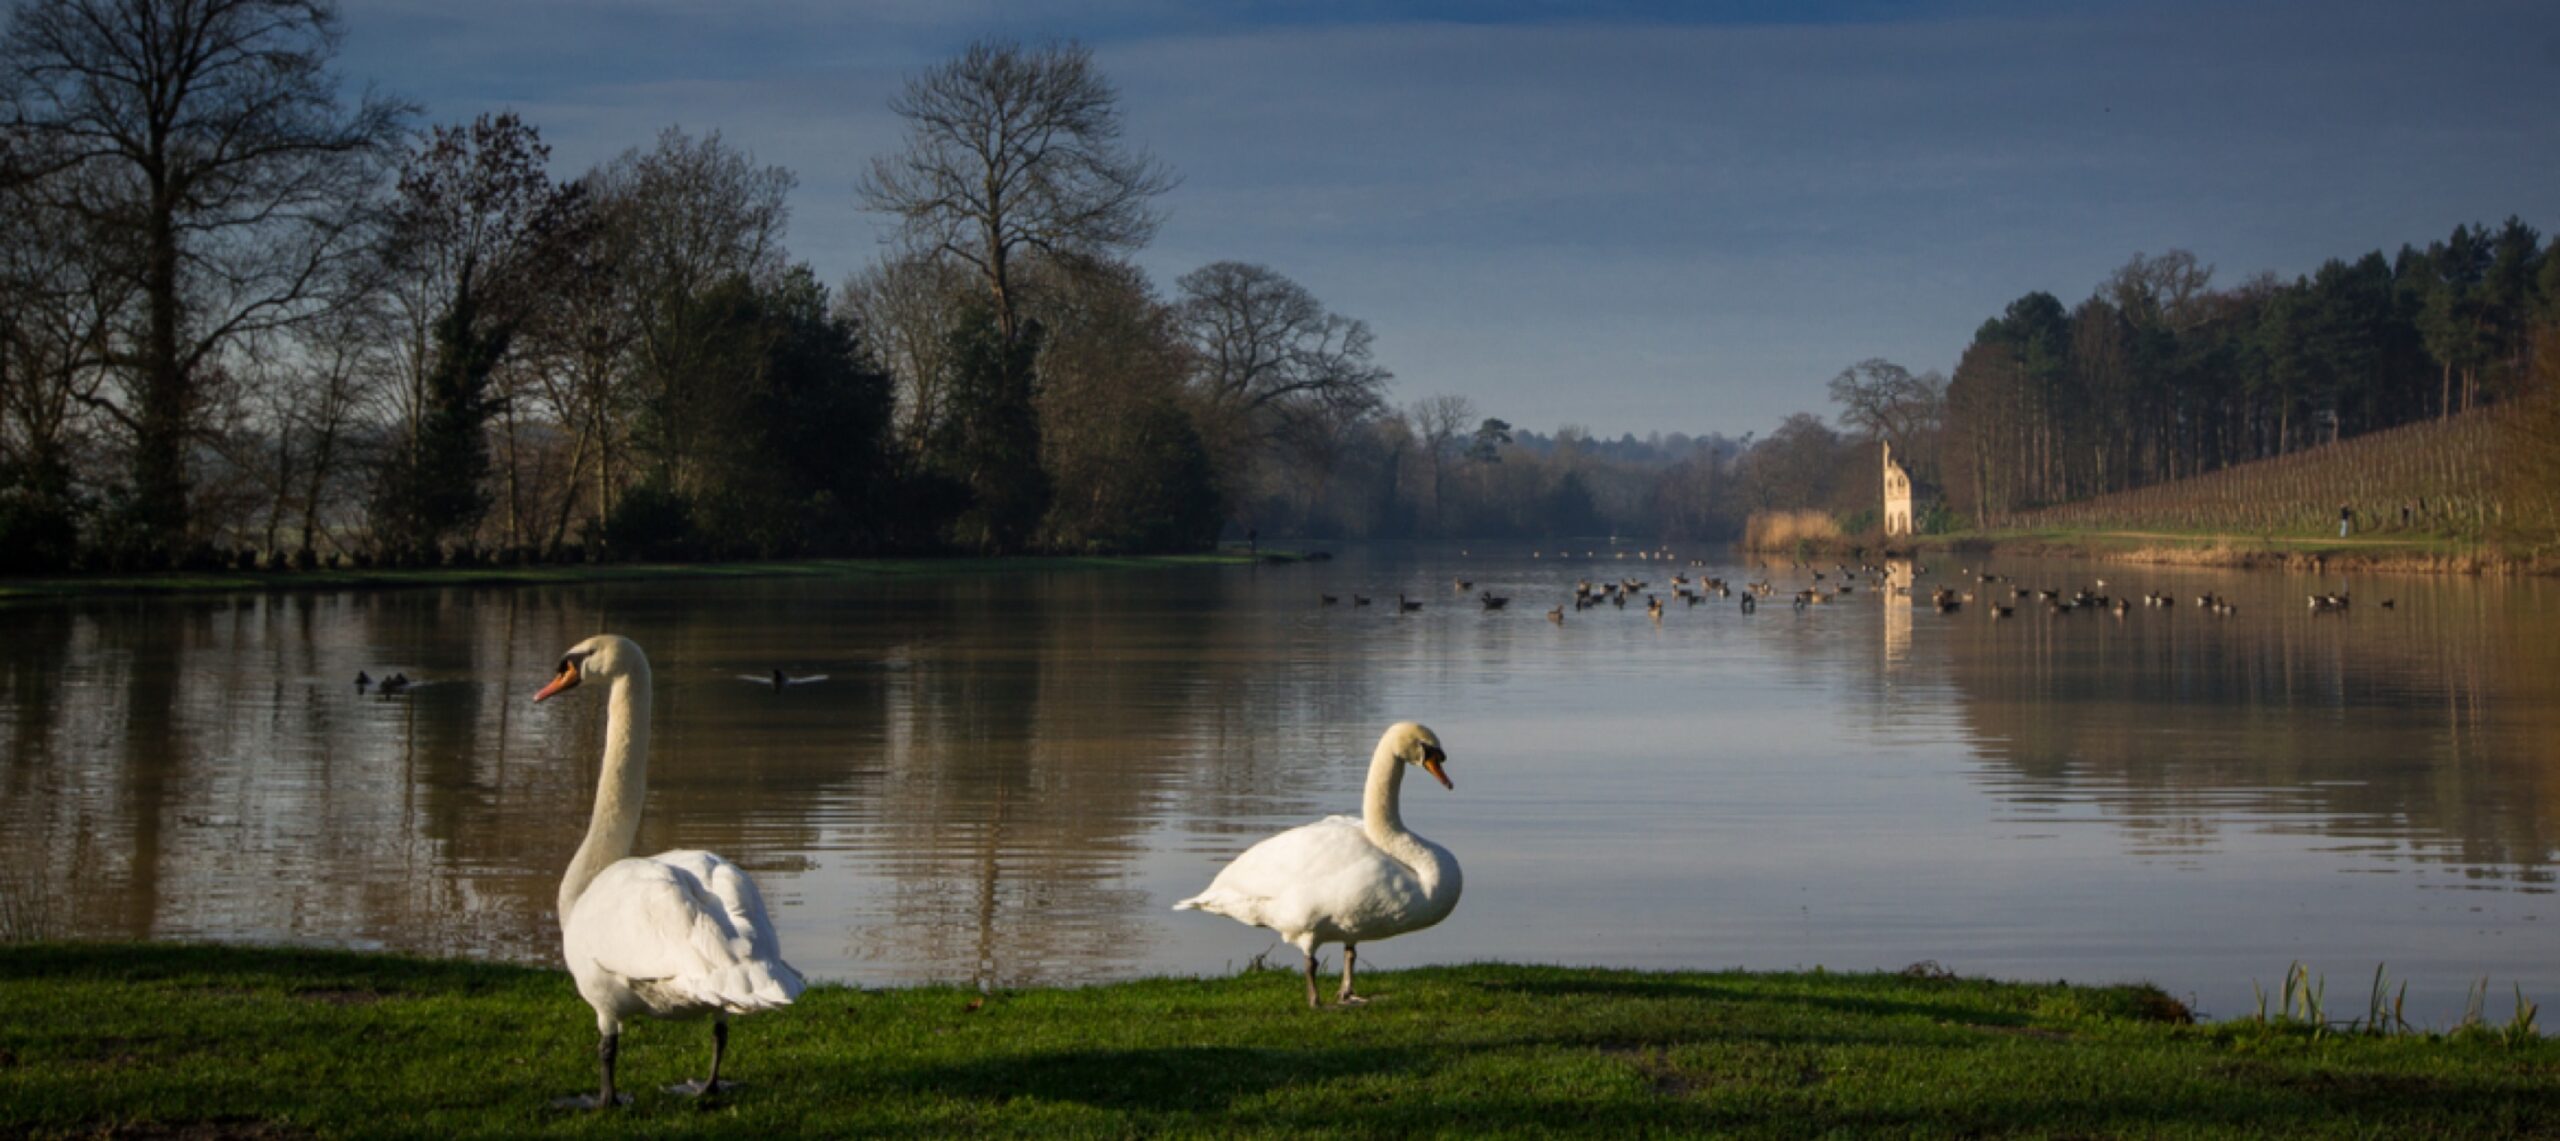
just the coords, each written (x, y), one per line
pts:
(684, 934)
(394, 685)
(1998, 595)
(391, 685)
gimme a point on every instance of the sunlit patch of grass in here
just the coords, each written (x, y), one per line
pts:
(2424, 554)
(232, 1041)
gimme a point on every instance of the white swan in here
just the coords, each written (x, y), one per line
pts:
(1346, 879)
(676, 935)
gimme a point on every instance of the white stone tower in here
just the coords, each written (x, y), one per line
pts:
(1897, 496)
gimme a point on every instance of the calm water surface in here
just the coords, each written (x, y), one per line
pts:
(1009, 779)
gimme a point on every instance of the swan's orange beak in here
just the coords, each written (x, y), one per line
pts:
(566, 681)
(1432, 759)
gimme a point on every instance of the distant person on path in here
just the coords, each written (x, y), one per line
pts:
(2346, 515)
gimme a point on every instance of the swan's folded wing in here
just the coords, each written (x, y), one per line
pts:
(1286, 879)
(652, 921)
(747, 924)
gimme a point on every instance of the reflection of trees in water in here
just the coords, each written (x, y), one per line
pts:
(1044, 739)
(2424, 725)
(205, 767)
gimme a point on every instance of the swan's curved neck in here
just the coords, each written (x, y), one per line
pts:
(620, 789)
(1381, 816)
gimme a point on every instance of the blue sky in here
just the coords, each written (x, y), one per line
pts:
(1627, 216)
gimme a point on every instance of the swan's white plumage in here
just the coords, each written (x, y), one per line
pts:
(1346, 879)
(677, 935)
(1328, 882)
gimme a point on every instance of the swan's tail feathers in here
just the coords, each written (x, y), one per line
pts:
(750, 985)
(1218, 901)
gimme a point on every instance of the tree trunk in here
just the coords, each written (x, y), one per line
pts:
(284, 486)
(515, 533)
(569, 492)
(604, 481)
(324, 448)
(159, 455)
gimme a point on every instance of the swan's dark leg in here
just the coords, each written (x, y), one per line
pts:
(1312, 1001)
(719, 1047)
(607, 1049)
(1350, 954)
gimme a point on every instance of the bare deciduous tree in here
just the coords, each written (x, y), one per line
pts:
(482, 242)
(690, 218)
(1128, 465)
(2168, 290)
(1009, 149)
(203, 143)
(904, 305)
(1271, 355)
(1881, 400)
(1441, 421)
(56, 308)
(577, 349)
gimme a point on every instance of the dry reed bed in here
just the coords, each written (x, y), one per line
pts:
(1782, 530)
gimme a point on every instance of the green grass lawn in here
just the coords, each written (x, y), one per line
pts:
(174, 582)
(157, 1040)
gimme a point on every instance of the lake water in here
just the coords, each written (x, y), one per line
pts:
(1009, 779)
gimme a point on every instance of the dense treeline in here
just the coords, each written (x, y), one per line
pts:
(244, 321)
(2158, 375)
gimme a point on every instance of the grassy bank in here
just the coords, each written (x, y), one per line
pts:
(2401, 553)
(2392, 553)
(124, 1040)
(175, 582)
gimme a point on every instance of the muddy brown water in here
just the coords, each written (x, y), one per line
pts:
(1008, 779)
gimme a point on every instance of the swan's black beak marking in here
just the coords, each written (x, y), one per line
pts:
(1432, 759)
(564, 681)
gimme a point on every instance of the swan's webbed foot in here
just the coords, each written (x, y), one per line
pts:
(588, 1101)
(1345, 997)
(711, 1086)
(608, 1049)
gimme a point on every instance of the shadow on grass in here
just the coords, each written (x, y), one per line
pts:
(1187, 1079)
(1848, 1005)
(2386, 1109)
